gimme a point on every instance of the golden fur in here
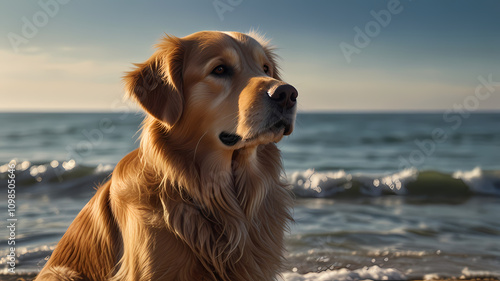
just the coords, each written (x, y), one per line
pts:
(185, 205)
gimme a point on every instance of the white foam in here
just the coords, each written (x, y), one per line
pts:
(431, 276)
(104, 168)
(69, 165)
(365, 273)
(310, 183)
(467, 273)
(397, 181)
(478, 181)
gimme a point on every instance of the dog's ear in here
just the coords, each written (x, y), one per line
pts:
(157, 83)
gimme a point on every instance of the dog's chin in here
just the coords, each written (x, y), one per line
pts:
(272, 134)
(265, 137)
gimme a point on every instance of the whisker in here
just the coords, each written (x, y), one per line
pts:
(197, 144)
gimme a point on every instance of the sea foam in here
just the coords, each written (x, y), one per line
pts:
(344, 274)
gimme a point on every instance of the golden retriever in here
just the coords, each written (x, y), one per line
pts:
(203, 197)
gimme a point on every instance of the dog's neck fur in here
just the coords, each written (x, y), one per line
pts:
(220, 202)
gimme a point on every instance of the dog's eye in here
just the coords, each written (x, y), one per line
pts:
(220, 70)
(266, 69)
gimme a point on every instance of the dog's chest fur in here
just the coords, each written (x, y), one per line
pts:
(229, 217)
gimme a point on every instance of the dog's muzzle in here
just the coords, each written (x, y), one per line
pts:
(283, 106)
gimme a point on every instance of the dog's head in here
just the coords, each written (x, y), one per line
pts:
(220, 88)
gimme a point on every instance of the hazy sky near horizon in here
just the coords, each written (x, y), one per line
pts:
(62, 55)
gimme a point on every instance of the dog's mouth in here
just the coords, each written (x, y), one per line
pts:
(229, 139)
(273, 133)
(282, 124)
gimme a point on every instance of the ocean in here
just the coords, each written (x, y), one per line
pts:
(378, 196)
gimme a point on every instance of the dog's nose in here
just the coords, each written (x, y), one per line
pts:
(285, 96)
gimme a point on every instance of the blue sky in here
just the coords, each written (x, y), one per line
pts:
(429, 56)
